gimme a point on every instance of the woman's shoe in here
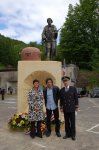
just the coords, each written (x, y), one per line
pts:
(32, 136)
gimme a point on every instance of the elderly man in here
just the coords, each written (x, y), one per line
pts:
(68, 105)
(49, 36)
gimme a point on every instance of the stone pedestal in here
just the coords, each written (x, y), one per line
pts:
(30, 70)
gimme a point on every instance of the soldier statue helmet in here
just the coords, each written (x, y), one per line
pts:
(49, 19)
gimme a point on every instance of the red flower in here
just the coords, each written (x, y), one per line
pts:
(18, 121)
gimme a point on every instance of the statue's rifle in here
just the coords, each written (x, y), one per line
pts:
(58, 29)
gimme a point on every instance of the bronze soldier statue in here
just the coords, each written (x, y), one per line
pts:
(49, 36)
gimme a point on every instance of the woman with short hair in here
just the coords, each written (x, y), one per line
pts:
(35, 112)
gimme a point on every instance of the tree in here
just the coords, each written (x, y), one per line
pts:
(9, 50)
(79, 36)
(95, 60)
(4, 50)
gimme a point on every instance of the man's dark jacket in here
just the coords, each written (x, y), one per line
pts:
(55, 95)
(69, 99)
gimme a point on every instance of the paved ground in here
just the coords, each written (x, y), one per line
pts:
(87, 122)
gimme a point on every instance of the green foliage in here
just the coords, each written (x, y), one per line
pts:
(9, 51)
(79, 36)
(95, 60)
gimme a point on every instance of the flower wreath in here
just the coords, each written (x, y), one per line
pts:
(20, 121)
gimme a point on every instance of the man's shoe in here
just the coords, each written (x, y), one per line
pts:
(73, 138)
(65, 137)
(58, 134)
(48, 134)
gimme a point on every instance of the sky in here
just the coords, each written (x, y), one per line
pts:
(24, 20)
